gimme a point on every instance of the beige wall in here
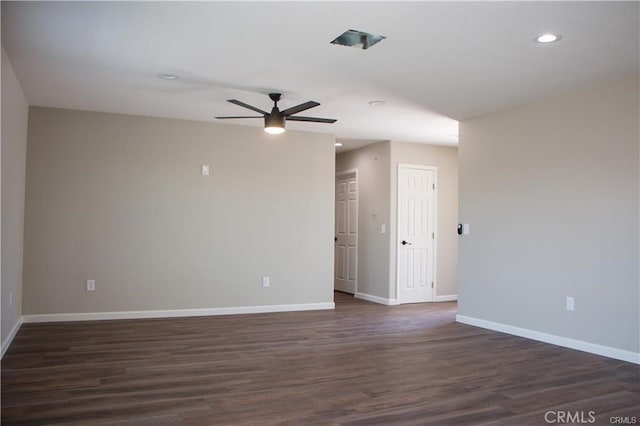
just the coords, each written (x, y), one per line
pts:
(550, 190)
(15, 111)
(446, 161)
(372, 163)
(120, 199)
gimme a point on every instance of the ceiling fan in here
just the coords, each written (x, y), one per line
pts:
(274, 121)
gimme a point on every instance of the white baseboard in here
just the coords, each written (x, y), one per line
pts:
(566, 342)
(376, 299)
(7, 341)
(446, 298)
(93, 316)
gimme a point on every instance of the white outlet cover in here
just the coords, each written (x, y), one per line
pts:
(91, 285)
(266, 282)
(205, 170)
(383, 229)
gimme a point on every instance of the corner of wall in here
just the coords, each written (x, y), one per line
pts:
(6, 342)
(14, 121)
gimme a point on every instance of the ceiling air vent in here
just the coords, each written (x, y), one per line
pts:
(353, 38)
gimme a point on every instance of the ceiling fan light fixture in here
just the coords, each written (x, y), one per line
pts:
(274, 130)
(274, 124)
(274, 121)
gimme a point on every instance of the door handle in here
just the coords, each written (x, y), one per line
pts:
(335, 238)
(404, 243)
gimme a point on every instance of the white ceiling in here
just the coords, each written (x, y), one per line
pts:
(441, 61)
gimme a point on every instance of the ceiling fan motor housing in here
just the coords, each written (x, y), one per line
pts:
(275, 97)
(275, 119)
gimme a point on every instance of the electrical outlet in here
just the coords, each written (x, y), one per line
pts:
(266, 282)
(205, 170)
(91, 285)
(570, 303)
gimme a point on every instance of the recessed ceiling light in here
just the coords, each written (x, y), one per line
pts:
(377, 103)
(337, 144)
(547, 38)
(168, 76)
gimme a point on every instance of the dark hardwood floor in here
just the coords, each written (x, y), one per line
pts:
(360, 364)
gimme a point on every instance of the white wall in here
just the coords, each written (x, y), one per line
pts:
(372, 162)
(446, 161)
(15, 112)
(551, 193)
(120, 199)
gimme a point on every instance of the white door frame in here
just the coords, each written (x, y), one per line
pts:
(435, 225)
(344, 173)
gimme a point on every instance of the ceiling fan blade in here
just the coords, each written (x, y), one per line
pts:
(311, 119)
(242, 104)
(243, 116)
(299, 108)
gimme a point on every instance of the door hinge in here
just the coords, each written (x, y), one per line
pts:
(434, 186)
(431, 284)
(433, 235)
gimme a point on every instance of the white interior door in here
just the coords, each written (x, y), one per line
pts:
(416, 233)
(346, 233)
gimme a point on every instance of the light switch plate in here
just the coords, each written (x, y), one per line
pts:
(383, 229)
(205, 170)
(571, 305)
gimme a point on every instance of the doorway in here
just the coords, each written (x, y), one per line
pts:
(416, 233)
(346, 232)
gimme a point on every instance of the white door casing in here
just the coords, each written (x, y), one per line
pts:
(416, 228)
(346, 232)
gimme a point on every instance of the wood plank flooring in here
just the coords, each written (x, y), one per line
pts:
(362, 364)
